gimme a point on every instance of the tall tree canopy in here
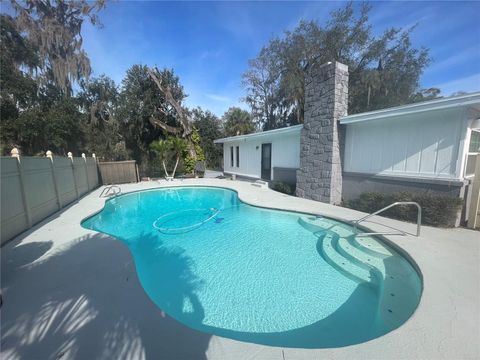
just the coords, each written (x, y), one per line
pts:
(54, 30)
(384, 70)
(209, 128)
(99, 99)
(141, 103)
(237, 122)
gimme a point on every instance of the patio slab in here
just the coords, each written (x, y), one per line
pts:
(71, 293)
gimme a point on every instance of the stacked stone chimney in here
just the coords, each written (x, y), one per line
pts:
(322, 139)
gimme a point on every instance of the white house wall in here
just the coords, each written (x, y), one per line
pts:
(421, 145)
(285, 153)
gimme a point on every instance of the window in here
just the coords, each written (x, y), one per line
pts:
(474, 142)
(238, 156)
(473, 151)
(231, 156)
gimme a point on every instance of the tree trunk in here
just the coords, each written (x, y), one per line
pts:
(165, 168)
(186, 128)
(175, 168)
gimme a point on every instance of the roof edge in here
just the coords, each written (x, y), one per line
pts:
(284, 130)
(435, 104)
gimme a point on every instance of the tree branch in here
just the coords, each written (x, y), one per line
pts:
(169, 129)
(182, 117)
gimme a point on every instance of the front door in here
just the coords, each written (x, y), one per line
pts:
(266, 161)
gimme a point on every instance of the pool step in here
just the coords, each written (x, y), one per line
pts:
(261, 184)
(366, 260)
(361, 258)
(371, 246)
(326, 246)
(319, 223)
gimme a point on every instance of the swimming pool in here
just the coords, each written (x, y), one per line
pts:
(265, 276)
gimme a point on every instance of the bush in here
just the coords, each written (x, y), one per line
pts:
(283, 187)
(436, 210)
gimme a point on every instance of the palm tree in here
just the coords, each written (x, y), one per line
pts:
(178, 146)
(162, 148)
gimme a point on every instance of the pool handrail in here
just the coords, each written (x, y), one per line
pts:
(106, 191)
(400, 232)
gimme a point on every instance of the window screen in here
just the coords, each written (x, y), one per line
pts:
(238, 156)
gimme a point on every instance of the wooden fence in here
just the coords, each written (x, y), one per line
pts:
(118, 172)
(33, 188)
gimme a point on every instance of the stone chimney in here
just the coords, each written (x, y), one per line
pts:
(321, 142)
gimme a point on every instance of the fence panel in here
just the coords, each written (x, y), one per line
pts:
(33, 188)
(80, 172)
(118, 172)
(39, 187)
(65, 180)
(14, 217)
(92, 173)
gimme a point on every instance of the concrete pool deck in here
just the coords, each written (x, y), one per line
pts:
(71, 293)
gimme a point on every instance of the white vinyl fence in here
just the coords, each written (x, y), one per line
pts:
(32, 188)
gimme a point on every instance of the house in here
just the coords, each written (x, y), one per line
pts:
(428, 146)
(268, 155)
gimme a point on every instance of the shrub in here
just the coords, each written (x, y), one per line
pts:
(436, 210)
(283, 187)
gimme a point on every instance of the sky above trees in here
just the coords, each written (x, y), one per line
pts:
(209, 44)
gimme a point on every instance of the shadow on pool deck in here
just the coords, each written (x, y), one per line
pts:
(84, 301)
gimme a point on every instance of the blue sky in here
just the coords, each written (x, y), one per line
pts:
(209, 43)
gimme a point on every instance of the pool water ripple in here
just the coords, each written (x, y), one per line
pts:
(260, 275)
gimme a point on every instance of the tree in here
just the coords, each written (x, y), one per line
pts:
(161, 148)
(53, 123)
(99, 99)
(139, 102)
(178, 146)
(384, 69)
(17, 88)
(54, 29)
(425, 95)
(209, 128)
(237, 122)
(262, 82)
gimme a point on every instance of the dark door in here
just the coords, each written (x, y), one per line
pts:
(266, 161)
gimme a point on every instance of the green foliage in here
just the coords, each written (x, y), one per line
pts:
(189, 161)
(53, 123)
(208, 127)
(197, 143)
(139, 101)
(384, 69)
(189, 164)
(99, 101)
(161, 148)
(54, 29)
(425, 95)
(283, 187)
(237, 122)
(436, 210)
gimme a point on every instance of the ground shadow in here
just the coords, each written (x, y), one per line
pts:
(84, 302)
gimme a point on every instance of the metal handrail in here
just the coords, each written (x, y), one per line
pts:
(400, 232)
(105, 192)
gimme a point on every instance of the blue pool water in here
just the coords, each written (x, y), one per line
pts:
(271, 277)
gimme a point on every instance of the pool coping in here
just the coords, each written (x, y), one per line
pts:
(444, 326)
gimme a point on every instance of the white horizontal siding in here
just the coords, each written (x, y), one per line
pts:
(422, 145)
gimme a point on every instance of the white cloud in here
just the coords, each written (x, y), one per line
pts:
(469, 84)
(460, 58)
(220, 98)
(210, 54)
